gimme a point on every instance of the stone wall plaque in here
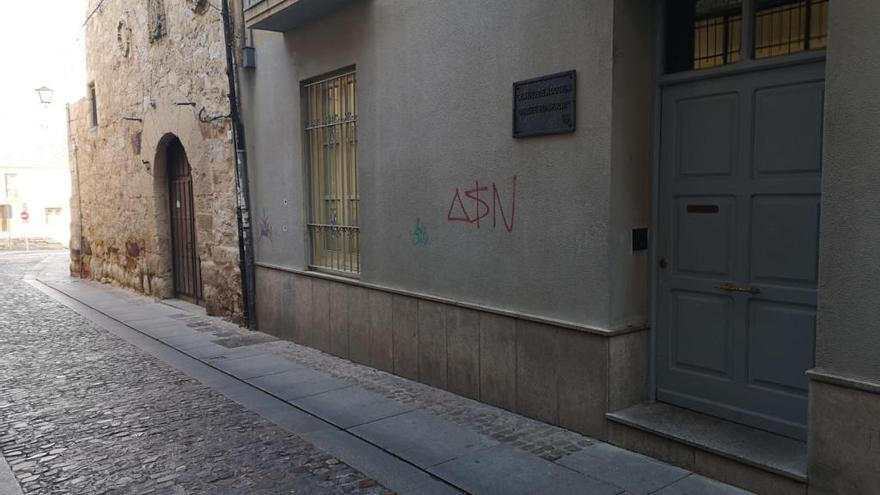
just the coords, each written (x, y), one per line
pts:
(544, 105)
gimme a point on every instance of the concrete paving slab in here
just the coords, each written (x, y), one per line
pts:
(297, 383)
(253, 366)
(206, 351)
(8, 483)
(388, 470)
(164, 331)
(178, 305)
(139, 316)
(190, 340)
(129, 312)
(422, 438)
(638, 474)
(154, 322)
(504, 470)
(177, 335)
(238, 353)
(205, 341)
(698, 485)
(351, 406)
(157, 322)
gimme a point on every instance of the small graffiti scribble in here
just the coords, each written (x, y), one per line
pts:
(265, 226)
(420, 234)
(459, 212)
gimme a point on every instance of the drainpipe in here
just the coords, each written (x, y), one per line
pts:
(245, 236)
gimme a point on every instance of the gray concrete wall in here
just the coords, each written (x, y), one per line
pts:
(435, 104)
(844, 434)
(631, 151)
(844, 443)
(848, 333)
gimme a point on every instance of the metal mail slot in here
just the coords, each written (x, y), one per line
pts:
(702, 208)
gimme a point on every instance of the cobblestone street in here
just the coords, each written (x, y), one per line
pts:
(84, 412)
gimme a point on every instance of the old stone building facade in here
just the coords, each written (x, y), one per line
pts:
(154, 203)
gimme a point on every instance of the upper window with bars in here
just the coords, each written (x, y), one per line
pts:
(701, 34)
(330, 107)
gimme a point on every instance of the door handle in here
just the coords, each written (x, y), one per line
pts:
(735, 288)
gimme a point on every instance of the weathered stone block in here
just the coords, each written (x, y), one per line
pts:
(302, 310)
(463, 351)
(432, 343)
(498, 360)
(381, 335)
(537, 362)
(628, 369)
(844, 440)
(320, 331)
(269, 304)
(339, 320)
(359, 325)
(582, 382)
(406, 336)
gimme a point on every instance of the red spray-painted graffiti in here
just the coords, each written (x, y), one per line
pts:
(458, 212)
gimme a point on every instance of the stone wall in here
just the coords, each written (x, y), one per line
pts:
(154, 83)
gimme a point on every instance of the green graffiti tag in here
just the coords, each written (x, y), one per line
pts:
(420, 234)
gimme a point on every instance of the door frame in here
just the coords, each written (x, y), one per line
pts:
(662, 80)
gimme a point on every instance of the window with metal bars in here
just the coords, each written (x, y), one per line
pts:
(330, 107)
(717, 33)
(785, 26)
(709, 33)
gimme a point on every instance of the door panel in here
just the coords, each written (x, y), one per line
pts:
(707, 125)
(739, 222)
(185, 261)
(780, 332)
(704, 227)
(788, 129)
(701, 334)
(785, 239)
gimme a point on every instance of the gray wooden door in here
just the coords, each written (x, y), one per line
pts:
(738, 245)
(185, 259)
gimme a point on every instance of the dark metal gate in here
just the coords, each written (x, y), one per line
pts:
(185, 260)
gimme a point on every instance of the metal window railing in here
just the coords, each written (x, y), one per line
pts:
(331, 156)
(717, 40)
(785, 27)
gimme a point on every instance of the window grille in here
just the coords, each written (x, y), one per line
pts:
(717, 40)
(785, 27)
(709, 33)
(331, 161)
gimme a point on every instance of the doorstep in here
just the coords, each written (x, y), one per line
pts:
(752, 459)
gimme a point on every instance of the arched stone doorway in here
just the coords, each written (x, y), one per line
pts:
(185, 262)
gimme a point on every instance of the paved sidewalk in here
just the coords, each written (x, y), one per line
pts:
(407, 436)
(8, 483)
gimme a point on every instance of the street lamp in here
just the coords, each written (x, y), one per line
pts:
(45, 95)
